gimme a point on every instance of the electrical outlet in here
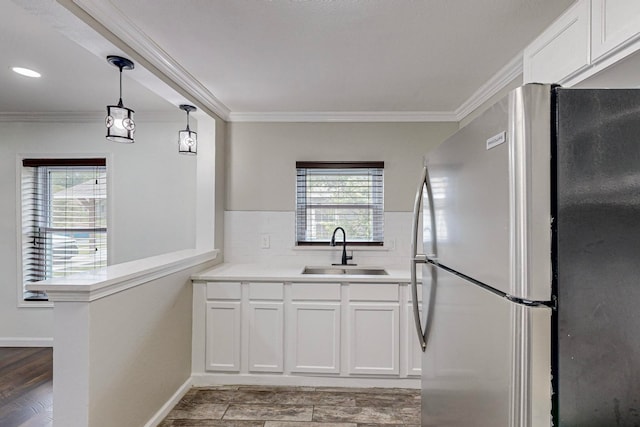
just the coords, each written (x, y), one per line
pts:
(265, 241)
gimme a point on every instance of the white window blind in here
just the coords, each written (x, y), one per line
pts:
(64, 218)
(340, 194)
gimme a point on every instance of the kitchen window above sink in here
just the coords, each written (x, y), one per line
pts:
(340, 194)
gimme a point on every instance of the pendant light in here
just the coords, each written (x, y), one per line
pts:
(187, 139)
(119, 121)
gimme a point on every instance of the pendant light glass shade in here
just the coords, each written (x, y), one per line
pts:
(119, 122)
(187, 139)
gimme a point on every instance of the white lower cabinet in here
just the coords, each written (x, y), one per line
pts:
(266, 332)
(223, 336)
(374, 338)
(314, 337)
(266, 327)
(413, 350)
(314, 329)
(339, 330)
(223, 325)
(374, 329)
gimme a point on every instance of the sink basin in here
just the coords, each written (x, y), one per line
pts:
(344, 269)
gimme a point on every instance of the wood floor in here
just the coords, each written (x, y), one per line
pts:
(26, 387)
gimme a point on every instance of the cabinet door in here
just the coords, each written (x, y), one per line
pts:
(223, 336)
(266, 332)
(614, 23)
(561, 50)
(374, 338)
(314, 337)
(413, 350)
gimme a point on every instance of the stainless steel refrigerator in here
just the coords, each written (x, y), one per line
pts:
(531, 263)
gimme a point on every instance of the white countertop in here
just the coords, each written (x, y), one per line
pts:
(293, 273)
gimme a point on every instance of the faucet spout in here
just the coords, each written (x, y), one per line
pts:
(345, 258)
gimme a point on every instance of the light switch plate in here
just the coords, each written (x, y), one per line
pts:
(265, 241)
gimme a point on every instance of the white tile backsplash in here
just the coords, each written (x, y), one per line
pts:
(244, 233)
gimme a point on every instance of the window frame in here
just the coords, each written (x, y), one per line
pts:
(80, 159)
(338, 165)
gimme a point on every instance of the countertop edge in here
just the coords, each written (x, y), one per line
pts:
(87, 287)
(259, 273)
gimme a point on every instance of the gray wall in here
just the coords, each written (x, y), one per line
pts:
(261, 158)
(152, 199)
(140, 349)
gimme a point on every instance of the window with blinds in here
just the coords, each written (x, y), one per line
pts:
(340, 194)
(64, 218)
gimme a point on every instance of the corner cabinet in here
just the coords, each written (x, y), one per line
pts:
(223, 322)
(290, 333)
(265, 327)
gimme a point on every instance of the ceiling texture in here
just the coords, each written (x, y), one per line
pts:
(358, 60)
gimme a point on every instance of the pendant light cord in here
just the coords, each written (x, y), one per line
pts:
(120, 102)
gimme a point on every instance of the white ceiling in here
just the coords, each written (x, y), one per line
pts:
(283, 56)
(73, 79)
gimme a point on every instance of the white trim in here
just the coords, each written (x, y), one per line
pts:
(169, 404)
(25, 342)
(100, 283)
(500, 80)
(309, 380)
(119, 24)
(336, 116)
(32, 304)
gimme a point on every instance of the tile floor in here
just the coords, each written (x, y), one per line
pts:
(258, 406)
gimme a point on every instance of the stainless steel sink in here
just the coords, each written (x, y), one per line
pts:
(346, 269)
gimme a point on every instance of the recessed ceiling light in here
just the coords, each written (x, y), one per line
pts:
(25, 72)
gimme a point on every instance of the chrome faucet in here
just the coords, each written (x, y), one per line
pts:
(345, 258)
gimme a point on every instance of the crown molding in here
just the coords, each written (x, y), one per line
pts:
(358, 116)
(82, 117)
(500, 80)
(119, 24)
(52, 117)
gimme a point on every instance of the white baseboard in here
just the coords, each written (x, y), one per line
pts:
(25, 342)
(207, 380)
(169, 404)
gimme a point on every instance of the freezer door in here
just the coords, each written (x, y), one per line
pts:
(491, 196)
(598, 257)
(487, 361)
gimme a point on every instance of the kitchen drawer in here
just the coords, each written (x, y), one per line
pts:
(222, 290)
(266, 291)
(315, 291)
(373, 292)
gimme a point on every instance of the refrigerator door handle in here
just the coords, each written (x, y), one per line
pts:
(423, 259)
